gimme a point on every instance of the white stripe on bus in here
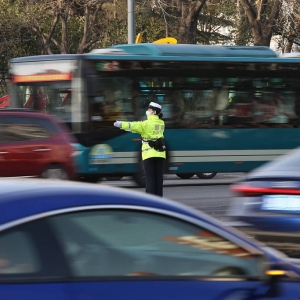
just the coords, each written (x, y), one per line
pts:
(198, 156)
(115, 161)
(125, 154)
(127, 160)
(229, 152)
(239, 158)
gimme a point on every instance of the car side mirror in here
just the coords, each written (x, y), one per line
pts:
(274, 274)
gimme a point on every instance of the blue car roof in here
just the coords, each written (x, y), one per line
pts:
(22, 198)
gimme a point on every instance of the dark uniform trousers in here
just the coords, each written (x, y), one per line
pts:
(154, 169)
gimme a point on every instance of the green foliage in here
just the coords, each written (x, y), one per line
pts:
(152, 27)
(15, 40)
(25, 24)
(215, 16)
(243, 36)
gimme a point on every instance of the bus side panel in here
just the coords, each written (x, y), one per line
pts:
(117, 155)
(227, 150)
(214, 150)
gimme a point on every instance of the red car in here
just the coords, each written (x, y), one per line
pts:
(35, 144)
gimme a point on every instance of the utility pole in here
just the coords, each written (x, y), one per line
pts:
(131, 21)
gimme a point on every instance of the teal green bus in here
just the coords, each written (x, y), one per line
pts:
(226, 108)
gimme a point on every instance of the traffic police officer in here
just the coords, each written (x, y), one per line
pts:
(150, 130)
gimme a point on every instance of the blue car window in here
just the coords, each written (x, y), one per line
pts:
(18, 254)
(136, 243)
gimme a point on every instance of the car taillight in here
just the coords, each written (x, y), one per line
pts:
(244, 189)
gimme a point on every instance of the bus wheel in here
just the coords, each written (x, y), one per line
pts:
(139, 176)
(206, 175)
(113, 178)
(185, 176)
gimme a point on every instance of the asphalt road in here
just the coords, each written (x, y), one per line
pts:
(211, 196)
(173, 180)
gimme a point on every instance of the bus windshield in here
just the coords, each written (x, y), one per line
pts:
(44, 85)
(53, 97)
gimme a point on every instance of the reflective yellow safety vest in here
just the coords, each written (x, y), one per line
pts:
(150, 130)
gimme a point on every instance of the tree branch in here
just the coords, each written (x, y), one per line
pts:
(85, 29)
(88, 26)
(46, 38)
(248, 10)
(275, 12)
(51, 32)
(90, 43)
(261, 8)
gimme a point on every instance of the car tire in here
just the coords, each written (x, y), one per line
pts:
(185, 175)
(113, 178)
(206, 175)
(55, 172)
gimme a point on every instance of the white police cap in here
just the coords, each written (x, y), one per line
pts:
(154, 105)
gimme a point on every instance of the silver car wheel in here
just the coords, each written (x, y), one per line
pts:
(55, 173)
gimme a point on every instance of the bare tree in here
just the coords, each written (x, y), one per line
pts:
(91, 19)
(189, 12)
(50, 20)
(261, 20)
(290, 25)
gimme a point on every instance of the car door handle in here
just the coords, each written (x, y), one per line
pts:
(3, 152)
(42, 150)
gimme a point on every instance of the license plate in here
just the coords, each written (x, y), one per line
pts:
(281, 202)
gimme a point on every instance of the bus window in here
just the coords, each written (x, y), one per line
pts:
(53, 98)
(168, 109)
(112, 107)
(274, 108)
(113, 101)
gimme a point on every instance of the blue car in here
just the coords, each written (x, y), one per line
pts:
(70, 241)
(267, 201)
